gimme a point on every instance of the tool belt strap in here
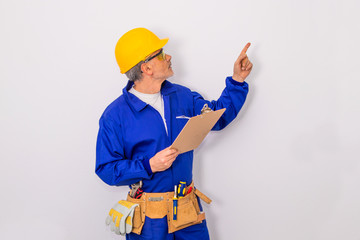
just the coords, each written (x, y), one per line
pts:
(202, 196)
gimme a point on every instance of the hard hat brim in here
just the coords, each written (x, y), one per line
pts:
(162, 43)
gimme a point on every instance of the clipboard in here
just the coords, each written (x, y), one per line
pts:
(196, 130)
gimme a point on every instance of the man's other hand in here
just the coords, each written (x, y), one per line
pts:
(242, 66)
(163, 159)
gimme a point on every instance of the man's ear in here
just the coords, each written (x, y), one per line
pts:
(146, 69)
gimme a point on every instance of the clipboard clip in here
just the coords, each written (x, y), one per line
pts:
(205, 109)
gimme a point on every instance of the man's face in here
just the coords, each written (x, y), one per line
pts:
(161, 67)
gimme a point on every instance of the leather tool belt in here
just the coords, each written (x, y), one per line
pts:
(159, 205)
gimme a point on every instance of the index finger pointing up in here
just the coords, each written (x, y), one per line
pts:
(245, 48)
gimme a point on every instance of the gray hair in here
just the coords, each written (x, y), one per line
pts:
(135, 72)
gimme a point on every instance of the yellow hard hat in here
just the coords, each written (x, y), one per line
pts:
(135, 45)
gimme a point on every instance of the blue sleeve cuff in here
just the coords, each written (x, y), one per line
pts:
(236, 82)
(146, 163)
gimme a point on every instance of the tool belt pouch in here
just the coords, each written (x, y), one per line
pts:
(188, 213)
(139, 214)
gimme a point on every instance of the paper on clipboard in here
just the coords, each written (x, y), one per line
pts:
(196, 130)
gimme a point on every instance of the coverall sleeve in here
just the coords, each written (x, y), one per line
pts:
(232, 98)
(112, 166)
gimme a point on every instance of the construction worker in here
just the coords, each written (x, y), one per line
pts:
(137, 129)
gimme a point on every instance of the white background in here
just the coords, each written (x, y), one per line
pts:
(286, 168)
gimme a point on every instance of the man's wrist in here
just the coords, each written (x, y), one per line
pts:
(238, 78)
(150, 165)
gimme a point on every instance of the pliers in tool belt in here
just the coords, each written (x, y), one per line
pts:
(135, 187)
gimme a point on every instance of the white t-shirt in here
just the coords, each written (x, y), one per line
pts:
(155, 100)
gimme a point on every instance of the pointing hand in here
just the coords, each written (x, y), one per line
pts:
(242, 66)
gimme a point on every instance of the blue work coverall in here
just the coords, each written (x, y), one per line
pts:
(131, 132)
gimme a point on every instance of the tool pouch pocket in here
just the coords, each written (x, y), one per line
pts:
(139, 214)
(188, 213)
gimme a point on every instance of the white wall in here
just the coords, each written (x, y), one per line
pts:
(286, 168)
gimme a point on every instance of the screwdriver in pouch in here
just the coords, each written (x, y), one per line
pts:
(175, 201)
(181, 189)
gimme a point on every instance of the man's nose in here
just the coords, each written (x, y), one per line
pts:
(168, 57)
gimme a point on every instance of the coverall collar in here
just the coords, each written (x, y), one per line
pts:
(166, 89)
